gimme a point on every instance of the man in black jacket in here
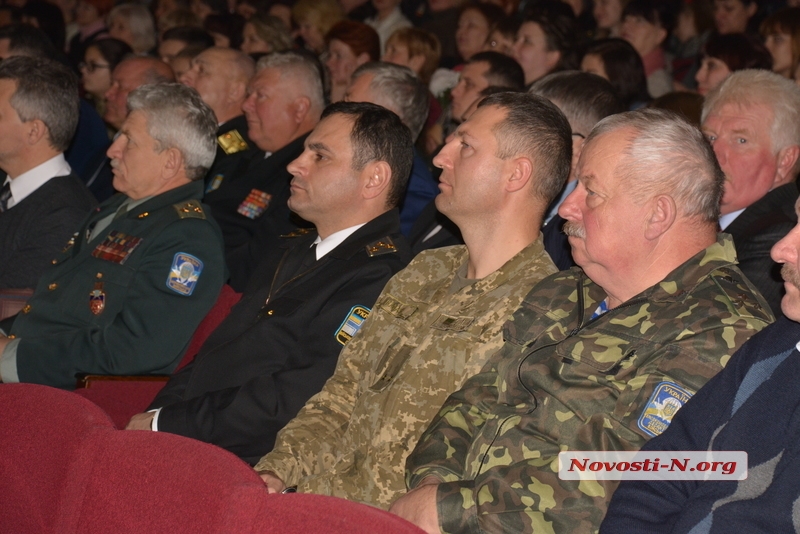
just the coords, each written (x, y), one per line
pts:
(281, 342)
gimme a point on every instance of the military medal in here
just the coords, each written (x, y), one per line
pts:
(97, 297)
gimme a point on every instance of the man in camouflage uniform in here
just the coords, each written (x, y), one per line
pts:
(437, 321)
(656, 309)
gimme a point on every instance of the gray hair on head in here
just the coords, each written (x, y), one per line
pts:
(305, 71)
(751, 87)
(667, 155)
(178, 118)
(399, 90)
(46, 90)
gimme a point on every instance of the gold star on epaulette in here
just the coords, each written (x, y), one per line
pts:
(384, 245)
(300, 232)
(191, 209)
(232, 142)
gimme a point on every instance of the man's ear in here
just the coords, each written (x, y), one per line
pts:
(37, 131)
(302, 105)
(173, 163)
(662, 217)
(378, 179)
(521, 174)
(787, 163)
(237, 92)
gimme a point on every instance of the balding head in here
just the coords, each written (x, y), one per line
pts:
(221, 75)
(127, 76)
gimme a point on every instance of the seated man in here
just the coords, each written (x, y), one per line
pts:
(656, 309)
(750, 406)
(280, 343)
(438, 320)
(128, 290)
(41, 201)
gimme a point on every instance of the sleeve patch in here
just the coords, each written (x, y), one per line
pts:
(352, 324)
(664, 403)
(184, 273)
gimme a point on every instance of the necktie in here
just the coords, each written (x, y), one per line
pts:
(5, 194)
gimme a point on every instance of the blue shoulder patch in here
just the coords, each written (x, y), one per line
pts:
(352, 324)
(664, 403)
(184, 273)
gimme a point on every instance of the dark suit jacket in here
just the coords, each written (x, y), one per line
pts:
(754, 233)
(35, 230)
(235, 204)
(556, 244)
(261, 365)
(429, 218)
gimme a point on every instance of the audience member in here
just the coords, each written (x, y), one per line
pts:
(350, 45)
(582, 375)
(281, 342)
(90, 16)
(438, 320)
(314, 19)
(752, 121)
(102, 57)
(546, 40)
(481, 71)
(502, 36)
(127, 76)
(128, 291)
(440, 17)
(724, 54)
(608, 16)
(646, 24)
(619, 63)
(781, 32)
(474, 26)
(416, 49)
(265, 33)
(41, 201)
(176, 39)
(734, 16)
(133, 24)
(204, 8)
(387, 20)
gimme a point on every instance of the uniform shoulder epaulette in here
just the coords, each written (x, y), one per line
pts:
(232, 142)
(384, 245)
(191, 209)
(300, 232)
(737, 291)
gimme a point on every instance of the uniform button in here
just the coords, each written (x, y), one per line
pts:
(12, 336)
(270, 312)
(52, 286)
(54, 262)
(26, 309)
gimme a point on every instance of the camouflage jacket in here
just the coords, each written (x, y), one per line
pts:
(565, 381)
(421, 342)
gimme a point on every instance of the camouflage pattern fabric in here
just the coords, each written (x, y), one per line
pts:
(564, 381)
(421, 342)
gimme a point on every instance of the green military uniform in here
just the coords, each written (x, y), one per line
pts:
(128, 300)
(424, 337)
(564, 381)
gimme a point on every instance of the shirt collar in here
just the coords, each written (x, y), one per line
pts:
(334, 240)
(29, 181)
(728, 218)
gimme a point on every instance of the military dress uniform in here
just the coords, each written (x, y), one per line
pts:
(429, 331)
(125, 301)
(569, 379)
(234, 147)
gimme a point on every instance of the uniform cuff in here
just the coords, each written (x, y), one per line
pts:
(154, 422)
(457, 508)
(8, 363)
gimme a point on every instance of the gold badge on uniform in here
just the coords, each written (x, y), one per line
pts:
(232, 142)
(97, 299)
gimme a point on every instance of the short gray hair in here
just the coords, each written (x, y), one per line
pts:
(755, 86)
(667, 155)
(400, 86)
(141, 24)
(46, 90)
(178, 118)
(305, 71)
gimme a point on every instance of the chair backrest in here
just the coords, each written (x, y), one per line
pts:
(45, 443)
(222, 307)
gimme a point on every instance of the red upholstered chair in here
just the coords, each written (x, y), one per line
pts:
(45, 443)
(122, 397)
(303, 513)
(150, 482)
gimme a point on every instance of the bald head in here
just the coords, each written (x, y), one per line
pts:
(127, 76)
(221, 75)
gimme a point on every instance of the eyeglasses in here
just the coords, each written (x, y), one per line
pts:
(92, 66)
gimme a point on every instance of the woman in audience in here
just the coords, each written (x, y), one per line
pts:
(416, 49)
(546, 41)
(724, 54)
(100, 59)
(781, 32)
(474, 26)
(350, 45)
(133, 24)
(734, 16)
(388, 19)
(608, 15)
(619, 63)
(646, 24)
(314, 19)
(90, 16)
(502, 37)
(265, 33)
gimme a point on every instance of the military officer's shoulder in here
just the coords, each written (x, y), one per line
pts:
(189, 209)
(738, 294)
(299, 232)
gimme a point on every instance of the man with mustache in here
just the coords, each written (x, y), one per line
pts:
(655, 308)
(752, 121)
(750, 406)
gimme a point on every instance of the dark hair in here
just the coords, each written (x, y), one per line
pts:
(557, 21)
(217, 6)
(361, 39)
(378, 135)
(583, 97)
(738, 51)
(50, 21)
(46, 90)
(536, 128)
(194, 37)
(228, 24)
(624, 68)
(112, 50)
(504, 71)
(657, 12)
(25, 40)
